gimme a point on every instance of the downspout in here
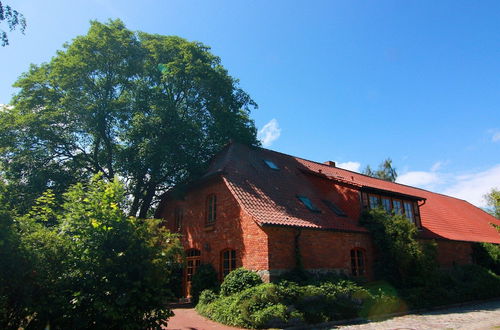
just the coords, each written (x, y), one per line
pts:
(298, 255)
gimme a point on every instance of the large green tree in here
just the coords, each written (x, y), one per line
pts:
(385, 171)
(151, 109)
(493, 200)
(14, 20)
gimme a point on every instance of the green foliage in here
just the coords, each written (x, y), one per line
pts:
(287, 304)
(13, 18)
(152, 109)
(401, 259)
(90, 265)
(207, 297)
(487, 255)
(458, 284)
(385, 171)
(239, 280)
(493, 201)
(205, 278)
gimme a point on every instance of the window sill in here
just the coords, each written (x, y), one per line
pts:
(209, 227)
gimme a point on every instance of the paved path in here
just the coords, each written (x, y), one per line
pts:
(186, 318)
(477, 316)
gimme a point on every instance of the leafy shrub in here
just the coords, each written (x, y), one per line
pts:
(207, 297)
(255, 307)
(204, 278)
(239, 280)
(402, 261)
(87, 264)
(487, 255)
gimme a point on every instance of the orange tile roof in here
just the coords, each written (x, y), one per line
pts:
(270, 196)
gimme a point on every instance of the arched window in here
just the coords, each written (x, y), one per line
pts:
(358, 262)
(211, 209)
(227, 262)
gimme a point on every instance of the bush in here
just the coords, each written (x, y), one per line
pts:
(255, 307)
(239, 280)
(204, 278)
(207, 297)
(487, 255)
(402, 260)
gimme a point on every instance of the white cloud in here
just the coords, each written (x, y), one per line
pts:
(436, 166)
(470, 187)
(473, 187)
(419, 178)
(269, 133)
(495, 137)
(351, 166)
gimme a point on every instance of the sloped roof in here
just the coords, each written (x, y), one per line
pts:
(270, 196)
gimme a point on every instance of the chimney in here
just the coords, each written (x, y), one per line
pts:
(330, 163)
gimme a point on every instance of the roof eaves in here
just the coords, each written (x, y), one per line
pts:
(367, 188)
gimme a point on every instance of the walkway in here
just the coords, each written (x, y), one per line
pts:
(186, 318)
(476, 316)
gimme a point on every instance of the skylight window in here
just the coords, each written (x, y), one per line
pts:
(334, 208)
(271, 164)
(307, 202)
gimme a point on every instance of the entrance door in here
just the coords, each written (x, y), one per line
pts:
(193, 257)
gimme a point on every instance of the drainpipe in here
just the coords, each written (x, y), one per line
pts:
(298, 256)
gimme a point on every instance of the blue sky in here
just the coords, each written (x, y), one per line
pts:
(350, 81)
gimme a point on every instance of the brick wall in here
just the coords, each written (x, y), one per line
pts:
(454, 253)
(320, 250)
(233, 228)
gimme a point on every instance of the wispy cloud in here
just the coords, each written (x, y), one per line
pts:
(351, 166)
(269, 133)
(495, 137)
(419, 178)
(471, 186)
(436, 166)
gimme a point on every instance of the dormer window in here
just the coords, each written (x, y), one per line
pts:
(393, 205)
(307, 202)
(272, 165)
(334, 208)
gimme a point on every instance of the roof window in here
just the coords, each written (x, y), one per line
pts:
(334, 208)
(271, 164)
(307, 202)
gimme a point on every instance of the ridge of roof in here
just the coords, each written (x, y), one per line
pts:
(364, 175)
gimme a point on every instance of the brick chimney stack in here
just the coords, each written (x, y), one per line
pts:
(330, 163)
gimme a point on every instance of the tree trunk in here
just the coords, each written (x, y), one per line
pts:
(146, 201)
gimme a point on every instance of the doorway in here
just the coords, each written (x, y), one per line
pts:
(193, 261)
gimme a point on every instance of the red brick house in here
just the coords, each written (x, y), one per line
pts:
(255, 207)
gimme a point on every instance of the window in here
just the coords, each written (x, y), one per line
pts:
(211, 209)
(374, 201)
(334, 208)
(178, 215)
(409, 211)
(386, 204)
(228, 262)
(397, 207)
(271, 164)
(357, 262)
(307, 202)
